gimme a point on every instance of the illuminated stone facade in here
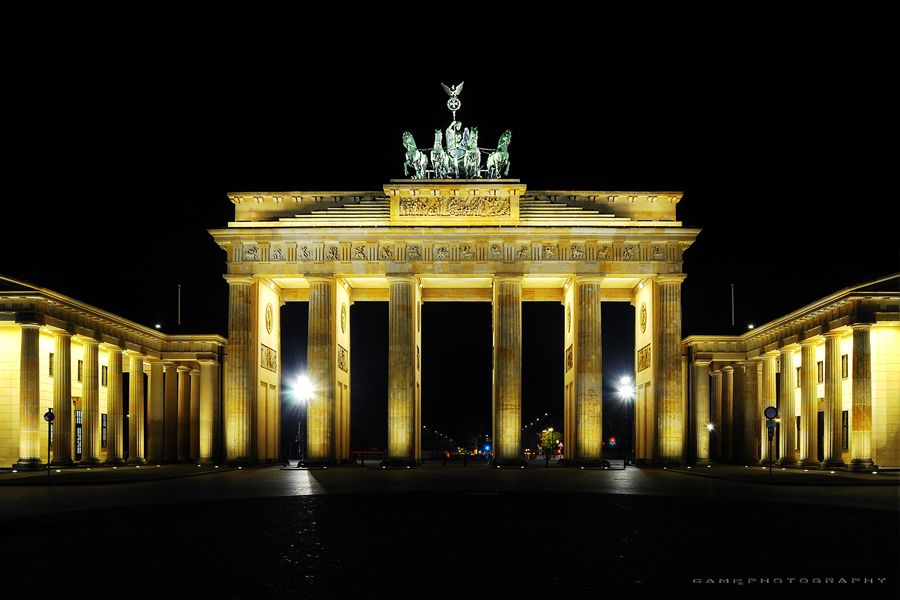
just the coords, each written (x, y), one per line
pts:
(58, 353)
(832, 369)
(419, 241)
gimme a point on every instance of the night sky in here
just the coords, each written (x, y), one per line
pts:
(124, 140)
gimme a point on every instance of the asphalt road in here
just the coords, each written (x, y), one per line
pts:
(454, 532)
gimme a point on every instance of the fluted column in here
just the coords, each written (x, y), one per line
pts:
(715, 416)
(861, 455)
(671, 402)
(589, 374)
(90, 400)
(184, 414)
(238, 369)
(788, 438)
(753, 443)
(171, 416)
(700, 413)
(833, 402)
(115, 422)
(156, 412)
(507, 317)
(727, 436)
(767, 398)
(809, 405)
(320, 369)
(62, 399)
(209, 386)
(402, 370)
(195, 414)
(29, 399)
(136, 441)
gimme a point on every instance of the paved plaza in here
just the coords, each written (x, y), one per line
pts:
(435, 531)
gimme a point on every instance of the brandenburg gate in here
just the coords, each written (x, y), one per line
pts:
(444, 240)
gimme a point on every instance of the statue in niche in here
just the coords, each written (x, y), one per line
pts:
(499, 159)
(577, 253)
(412, 253)
(415, 160)
(360, 253)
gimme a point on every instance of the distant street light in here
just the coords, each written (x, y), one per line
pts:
(627, 391)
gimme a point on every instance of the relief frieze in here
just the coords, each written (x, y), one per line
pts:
(454, 206)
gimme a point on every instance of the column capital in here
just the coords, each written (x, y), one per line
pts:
(702, 362)
(320, 278)
(89, 342)
(62, 334)
(233, 279)
(589, 279)
(183, 369)
(728, 369)
(400, 277)
(861, 326)
(833, 334)
(671, 277)
(809, 342)
(508, 277)
(716, 373)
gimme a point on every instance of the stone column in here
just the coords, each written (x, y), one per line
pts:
(788, 412)
(715, 416)
(209, 386)
(156, 412)
(727, 436)
(402, 371)
(589, 374)
(184, 414)
(861, 415)
(195, 414)
(115, 422)
(136, 442)
(320, 363)
(700, 412)
(767, 398)
(239, 373)
(833, 403)
(809, 405)
(171, 417)
(62, 399)
(671, 402)
(90, 396)
(752, 441)
(507, 318)
(30, 399)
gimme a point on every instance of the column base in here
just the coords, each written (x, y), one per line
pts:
(703, 463)
(862, 464)
(787, 462)
(206, 462)
(808, 463)
(241, 461)
(136, 461)
(29, 464)
(832, 464)
(114, 462)
(89, 462)
(62, 463)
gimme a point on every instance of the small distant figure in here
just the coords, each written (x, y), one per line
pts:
(284, 460)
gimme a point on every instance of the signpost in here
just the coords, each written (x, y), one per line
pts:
(771, 423)
(49, 416)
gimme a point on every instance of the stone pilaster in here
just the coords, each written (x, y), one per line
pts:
(136, 441)
(184, 414)
(195, 414)
(833, 403)
(320, 362)
(809, 406)
(861, 455)
(767, 398)
(715, 416)
(589, 375)
(209, 385)
(700, 413)
(156, 412)
(90, 398)
(115, 421)
(62, 399)
(402, 371)
(239, 372)
(507, 317)
(727, 437)
(29, 399)
(671, 415)
(171, 412)
(788, 412)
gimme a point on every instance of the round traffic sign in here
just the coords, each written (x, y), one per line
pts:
(49, 416)
(771, 412)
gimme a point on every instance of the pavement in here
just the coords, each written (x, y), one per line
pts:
(450, 531)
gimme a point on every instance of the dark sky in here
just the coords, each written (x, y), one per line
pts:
(124, 139)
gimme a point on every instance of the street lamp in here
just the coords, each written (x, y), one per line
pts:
(627, 392)
(301, 394)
